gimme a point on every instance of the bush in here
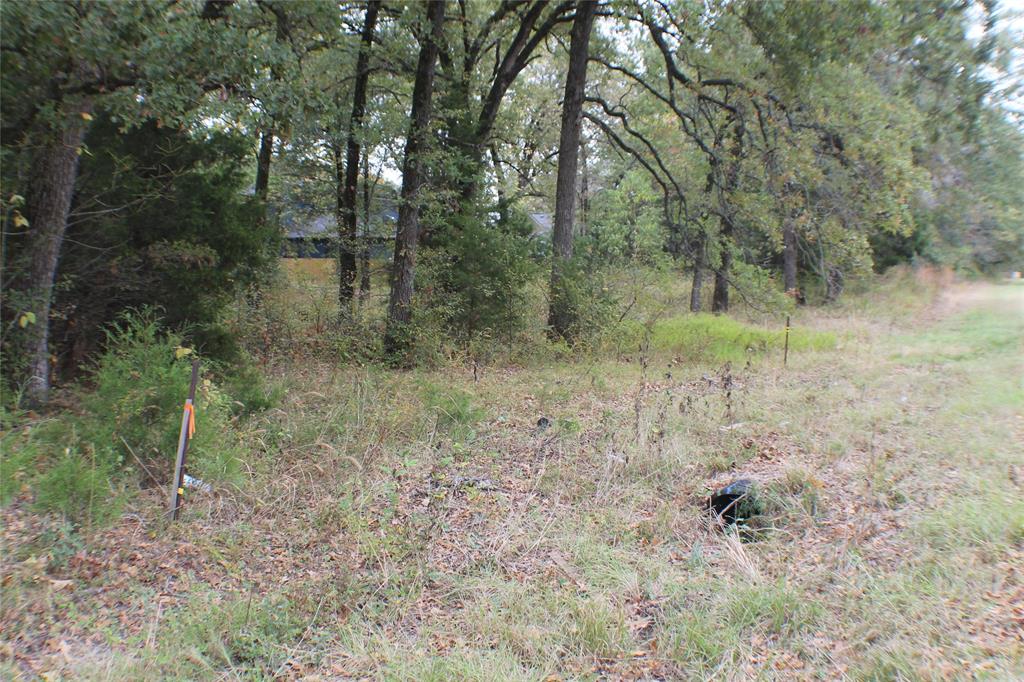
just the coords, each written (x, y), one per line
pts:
(185, 236)
(133, 415)
(79, 489)
(475, 281)
(249, 391)
(583, 293)
(126, 427)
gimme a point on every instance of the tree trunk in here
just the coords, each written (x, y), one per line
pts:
(55, 169)
(789, 247)
(560, 316)
(499, 176)
(349, 241)
(584, 188)
(699, 266)
(407, 231)
(834, 282)
(266, 152)
(346, 254)
(263, 165)
(364, 252)
(720, 296)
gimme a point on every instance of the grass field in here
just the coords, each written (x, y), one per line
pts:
(422, 526)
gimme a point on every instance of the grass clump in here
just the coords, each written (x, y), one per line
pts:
(991, 519)
(600, 628)
(454, 408)
(717, 338)
(701, 639)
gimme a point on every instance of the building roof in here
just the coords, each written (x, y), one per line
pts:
(326, 225)
(542, 222)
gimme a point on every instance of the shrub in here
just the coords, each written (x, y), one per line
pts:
(187, 238)
(249, 391)
(477, 277)
(585, 295)
(127, 425)
(79, 488)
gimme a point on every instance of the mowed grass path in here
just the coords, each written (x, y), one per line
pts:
(422, 526)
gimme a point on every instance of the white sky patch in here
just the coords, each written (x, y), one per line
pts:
(1008, 76)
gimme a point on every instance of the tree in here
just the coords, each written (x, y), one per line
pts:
(514, 29)
(413, 168)
(560, 317)
(66, 60)
(728, 185)
(159, 219)
(347, 209)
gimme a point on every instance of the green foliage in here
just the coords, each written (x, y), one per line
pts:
(185, 238)
(972, 215)
(126, 428)
(81, 489)
(476, 277)
(20, 452)
(243, 636)
(717, 338)
(585, 293)
(625, 223)
(249, 390)
(994, 518)
(700, 638)
(455, 409)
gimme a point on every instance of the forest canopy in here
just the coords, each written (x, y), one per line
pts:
(157, 153)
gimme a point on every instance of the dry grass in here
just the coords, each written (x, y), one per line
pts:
(422, 526)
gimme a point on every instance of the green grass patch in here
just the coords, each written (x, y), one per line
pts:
(455, 409)
(718, 338)
(993, 519)
(701, 638)
(979, 334)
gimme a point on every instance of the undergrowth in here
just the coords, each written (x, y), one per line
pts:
(122, 431)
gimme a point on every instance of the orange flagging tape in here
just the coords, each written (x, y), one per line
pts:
(191, 418)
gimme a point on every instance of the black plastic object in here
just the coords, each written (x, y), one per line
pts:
(735, 502)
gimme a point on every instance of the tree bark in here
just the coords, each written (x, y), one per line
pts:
(560, 316)
(834, 282)
(407, 231)
(55, 169)
(263, 165)
(346, 256)
(584, 188)
(347, 208)
(720, 296)
(364, 252)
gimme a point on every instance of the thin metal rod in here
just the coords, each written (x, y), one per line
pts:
(187, 415)
(785, 352)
